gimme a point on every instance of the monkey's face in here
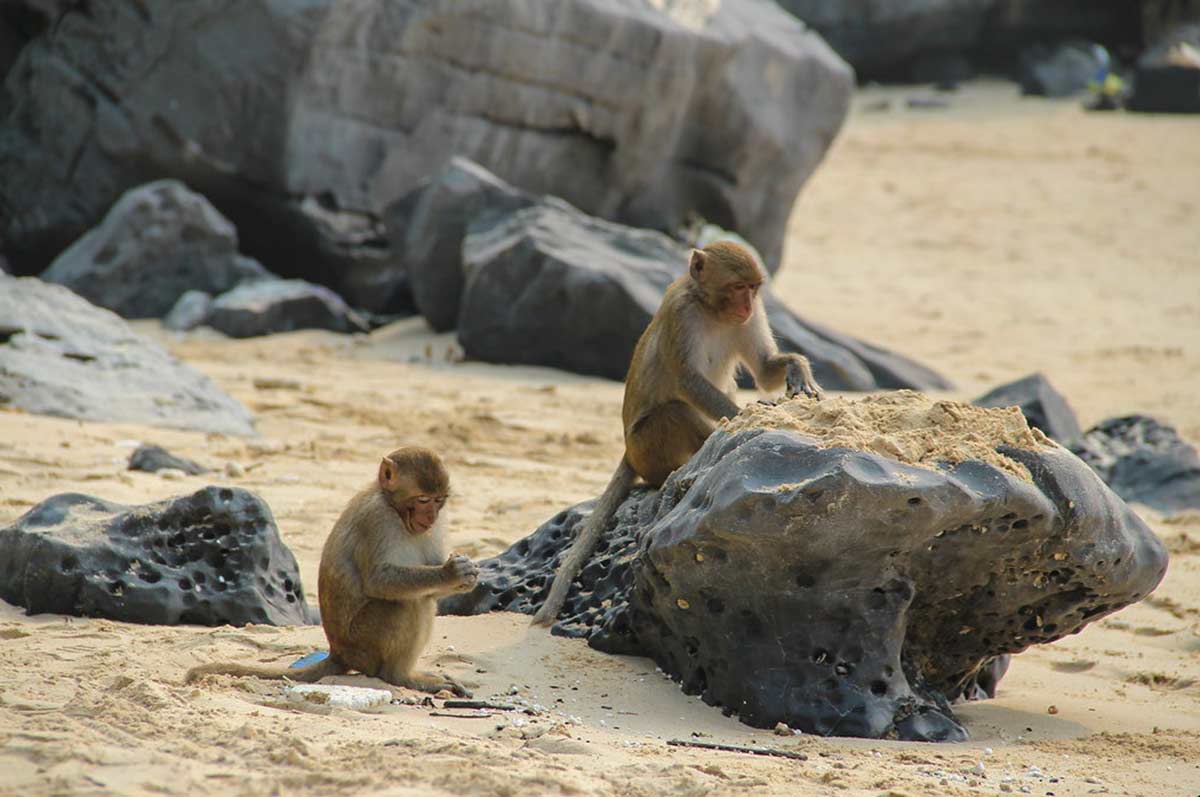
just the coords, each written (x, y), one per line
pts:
(420, 512)
(729, 279)
(736, 302)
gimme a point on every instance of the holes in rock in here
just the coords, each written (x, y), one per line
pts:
(820, 656)
(176, 540)
(291, 598)
(225, 494)
(805, 580)
(888, 672)
(199, 577)
(185, 583)
(877, 599)
(1049, 629)
(843, 668)
(117, 587)
(914, 501)
(714, 605)
(879, 688)
(1020, 524)
(288, 586)
(69, 563)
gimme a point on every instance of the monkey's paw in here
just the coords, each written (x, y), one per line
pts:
(461, 572)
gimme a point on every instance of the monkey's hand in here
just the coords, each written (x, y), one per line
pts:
(461, 573)
(800, 380)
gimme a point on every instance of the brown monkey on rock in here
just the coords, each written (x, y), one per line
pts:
(382, 570)
(681, 383)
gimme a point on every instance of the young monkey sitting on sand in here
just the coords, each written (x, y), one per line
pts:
(382, 570)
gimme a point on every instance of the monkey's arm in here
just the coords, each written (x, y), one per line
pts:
(788, 370)
(389, 582)
(704, 395)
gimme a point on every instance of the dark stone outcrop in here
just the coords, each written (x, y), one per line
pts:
(210, 558)
(836, 590)
(428, 228)
(1145, 461)
(152, 458)
(158, 241)
(60, 355)
(642, 113)
(1043, 406)
(1167, 78)
(266, 307)
(549, 285)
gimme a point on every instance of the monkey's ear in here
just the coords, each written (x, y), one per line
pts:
(696, 265)
(389, 475)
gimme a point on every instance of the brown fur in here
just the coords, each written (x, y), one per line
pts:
(681, 383)
(382, 569)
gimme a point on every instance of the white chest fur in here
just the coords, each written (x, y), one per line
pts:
(715, 354)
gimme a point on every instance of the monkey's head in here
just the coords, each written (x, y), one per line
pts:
(416, 484)
(727, 277)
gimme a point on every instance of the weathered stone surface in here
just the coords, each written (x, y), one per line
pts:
(210, 558)
(645, 113)
(1145, 461)
(266, 307)
(549, 285)
(189, 312)
(61, 356)
(158, 241)
(878, 36)
(837, 590)
(428, 228)
(152, 458)
(1043, 406)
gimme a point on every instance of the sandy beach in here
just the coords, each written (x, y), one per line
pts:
(988, 240)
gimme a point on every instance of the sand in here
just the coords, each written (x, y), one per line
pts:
(990, 240)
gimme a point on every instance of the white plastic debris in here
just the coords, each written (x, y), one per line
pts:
(352, 697)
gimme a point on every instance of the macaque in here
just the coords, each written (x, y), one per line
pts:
(681, 383)
(382, 570)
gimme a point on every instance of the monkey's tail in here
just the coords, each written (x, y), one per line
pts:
(310, 673)
(585, 541)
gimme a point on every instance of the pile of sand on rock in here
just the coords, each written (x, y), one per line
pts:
(903, 425)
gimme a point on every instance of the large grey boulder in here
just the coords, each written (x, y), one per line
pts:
(158, 241)
(60, 355)
(1041, 404)
(1145, 461)
(269, 306)
(211, 558)
(846, 567)
(549, 285)
(646, 113)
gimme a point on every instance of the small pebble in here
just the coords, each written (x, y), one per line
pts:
(1052, 710)
(234, 471)
(171, 474)
(978, 770)
(681, 603)
(782, 729)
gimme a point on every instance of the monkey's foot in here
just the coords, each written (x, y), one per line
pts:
(434, 684)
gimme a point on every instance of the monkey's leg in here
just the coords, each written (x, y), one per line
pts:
(665, 439)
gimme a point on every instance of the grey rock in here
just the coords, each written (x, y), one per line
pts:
(152, 458)
(158, 241)
(834, 590)
(211, 558)
(263, 308)
(549, 285)
(189, 311)
(1145, 461)
(429, 225)
(61, 356)
(1167, 78)
(1043, 406)
(644, 113)
(1061, 70)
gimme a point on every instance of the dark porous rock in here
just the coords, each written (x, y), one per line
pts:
(429, 226)
(549, 285)
(263, 308)
(152, 458)
(1145, 461)
(61, 356)
(1062, 69)
(211, 558)
(1043, 406)
(1167, 78)
(789, 578)
(638, 112)
(189, 312)
(157, 242)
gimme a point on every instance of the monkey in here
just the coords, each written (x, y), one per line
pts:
(681, 383)
(383, 566)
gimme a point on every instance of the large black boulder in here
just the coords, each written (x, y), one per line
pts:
(1043, 406)
(157, 242)
(211, 558)
(550, 285)
(61, 356)
(838, 590)
(1145, 461)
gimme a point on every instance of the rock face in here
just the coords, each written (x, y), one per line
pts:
(61, 356)
(266, 307)
(791, 573)
(210, 558)
(549, 285)
(158, 241)
(1043, 406)
(646, 113)
(1145, 461)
